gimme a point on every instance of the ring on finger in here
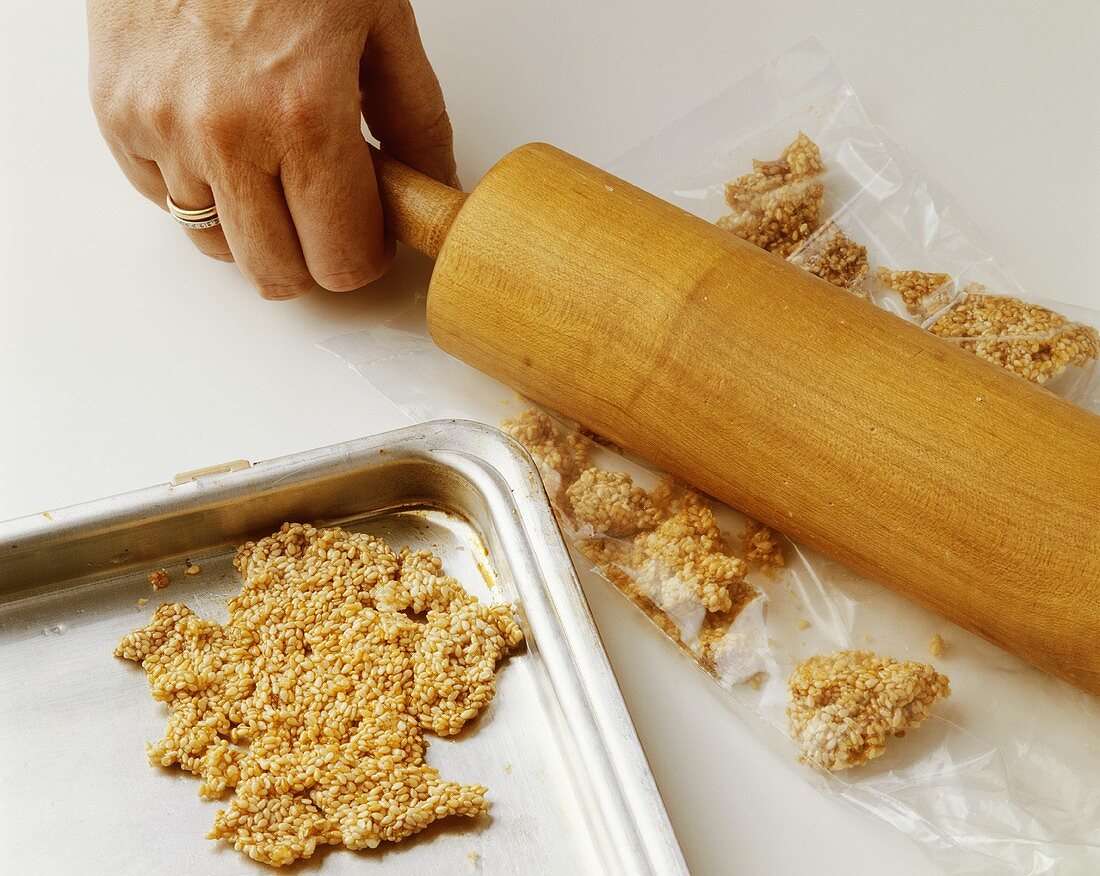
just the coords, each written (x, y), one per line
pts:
(207, 217)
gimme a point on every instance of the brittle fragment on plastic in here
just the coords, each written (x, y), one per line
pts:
(662, 547)
(845, 706)
(923, 293)
(560, 458)
(833, 256)
(1031, 341)
(778, 206)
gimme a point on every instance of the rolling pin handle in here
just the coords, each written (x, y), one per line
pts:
(417, 209)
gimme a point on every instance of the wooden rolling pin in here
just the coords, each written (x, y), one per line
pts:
(943, 477)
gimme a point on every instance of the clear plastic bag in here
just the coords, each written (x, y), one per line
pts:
(1003, 775)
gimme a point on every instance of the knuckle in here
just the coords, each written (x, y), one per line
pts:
(306, 122)
(439, 132)
(215, 124)
(219, 130)
(111, 109)
(162, 119)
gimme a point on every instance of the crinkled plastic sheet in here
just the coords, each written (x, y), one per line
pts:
(1004, 776)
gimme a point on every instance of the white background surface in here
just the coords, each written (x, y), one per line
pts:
(126, 357)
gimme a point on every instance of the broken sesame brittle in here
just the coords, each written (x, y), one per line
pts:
(1029, 340)
(311, 702)
(845, 706)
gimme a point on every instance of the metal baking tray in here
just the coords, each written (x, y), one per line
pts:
(570, 788)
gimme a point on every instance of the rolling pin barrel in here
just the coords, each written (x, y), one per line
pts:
(963, 487)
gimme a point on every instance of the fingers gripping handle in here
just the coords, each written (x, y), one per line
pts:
(418, 209)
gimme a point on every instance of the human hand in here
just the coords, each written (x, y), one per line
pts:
(256, 106)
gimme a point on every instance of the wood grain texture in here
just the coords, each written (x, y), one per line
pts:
(418, 210)
(965, 488)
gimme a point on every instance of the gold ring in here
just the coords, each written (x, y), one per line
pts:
(207, 217)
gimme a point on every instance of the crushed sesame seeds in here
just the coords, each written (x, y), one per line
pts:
(311, 702)
(844, 706)
(609, 503)
(762, 545)
(560, 459)
(158, 580)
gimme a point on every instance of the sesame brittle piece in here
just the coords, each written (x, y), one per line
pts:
(844, 706)
(688, 546)
(1026, 339)
(777, 206)
(780, 219)
(761, 545)
(609, 503)
(923, 293)
(560, 458)
(834, 257)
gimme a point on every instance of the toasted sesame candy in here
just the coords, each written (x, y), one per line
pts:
(689, 547)
(560, 459)
(537, 433)
(778, 205)
(781, 219)
(158, 580)
(761, 545)
(661, 548)
(844, 706)
(610, 504)
(1026, 339)
(923, 293)
(311, 702)
(937, 647)
(833, 256)
(680, 567)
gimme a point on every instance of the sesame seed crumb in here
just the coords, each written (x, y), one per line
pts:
(191, 569)
(803, 624)
(158, 580)
(937, 647)
(762, 546)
